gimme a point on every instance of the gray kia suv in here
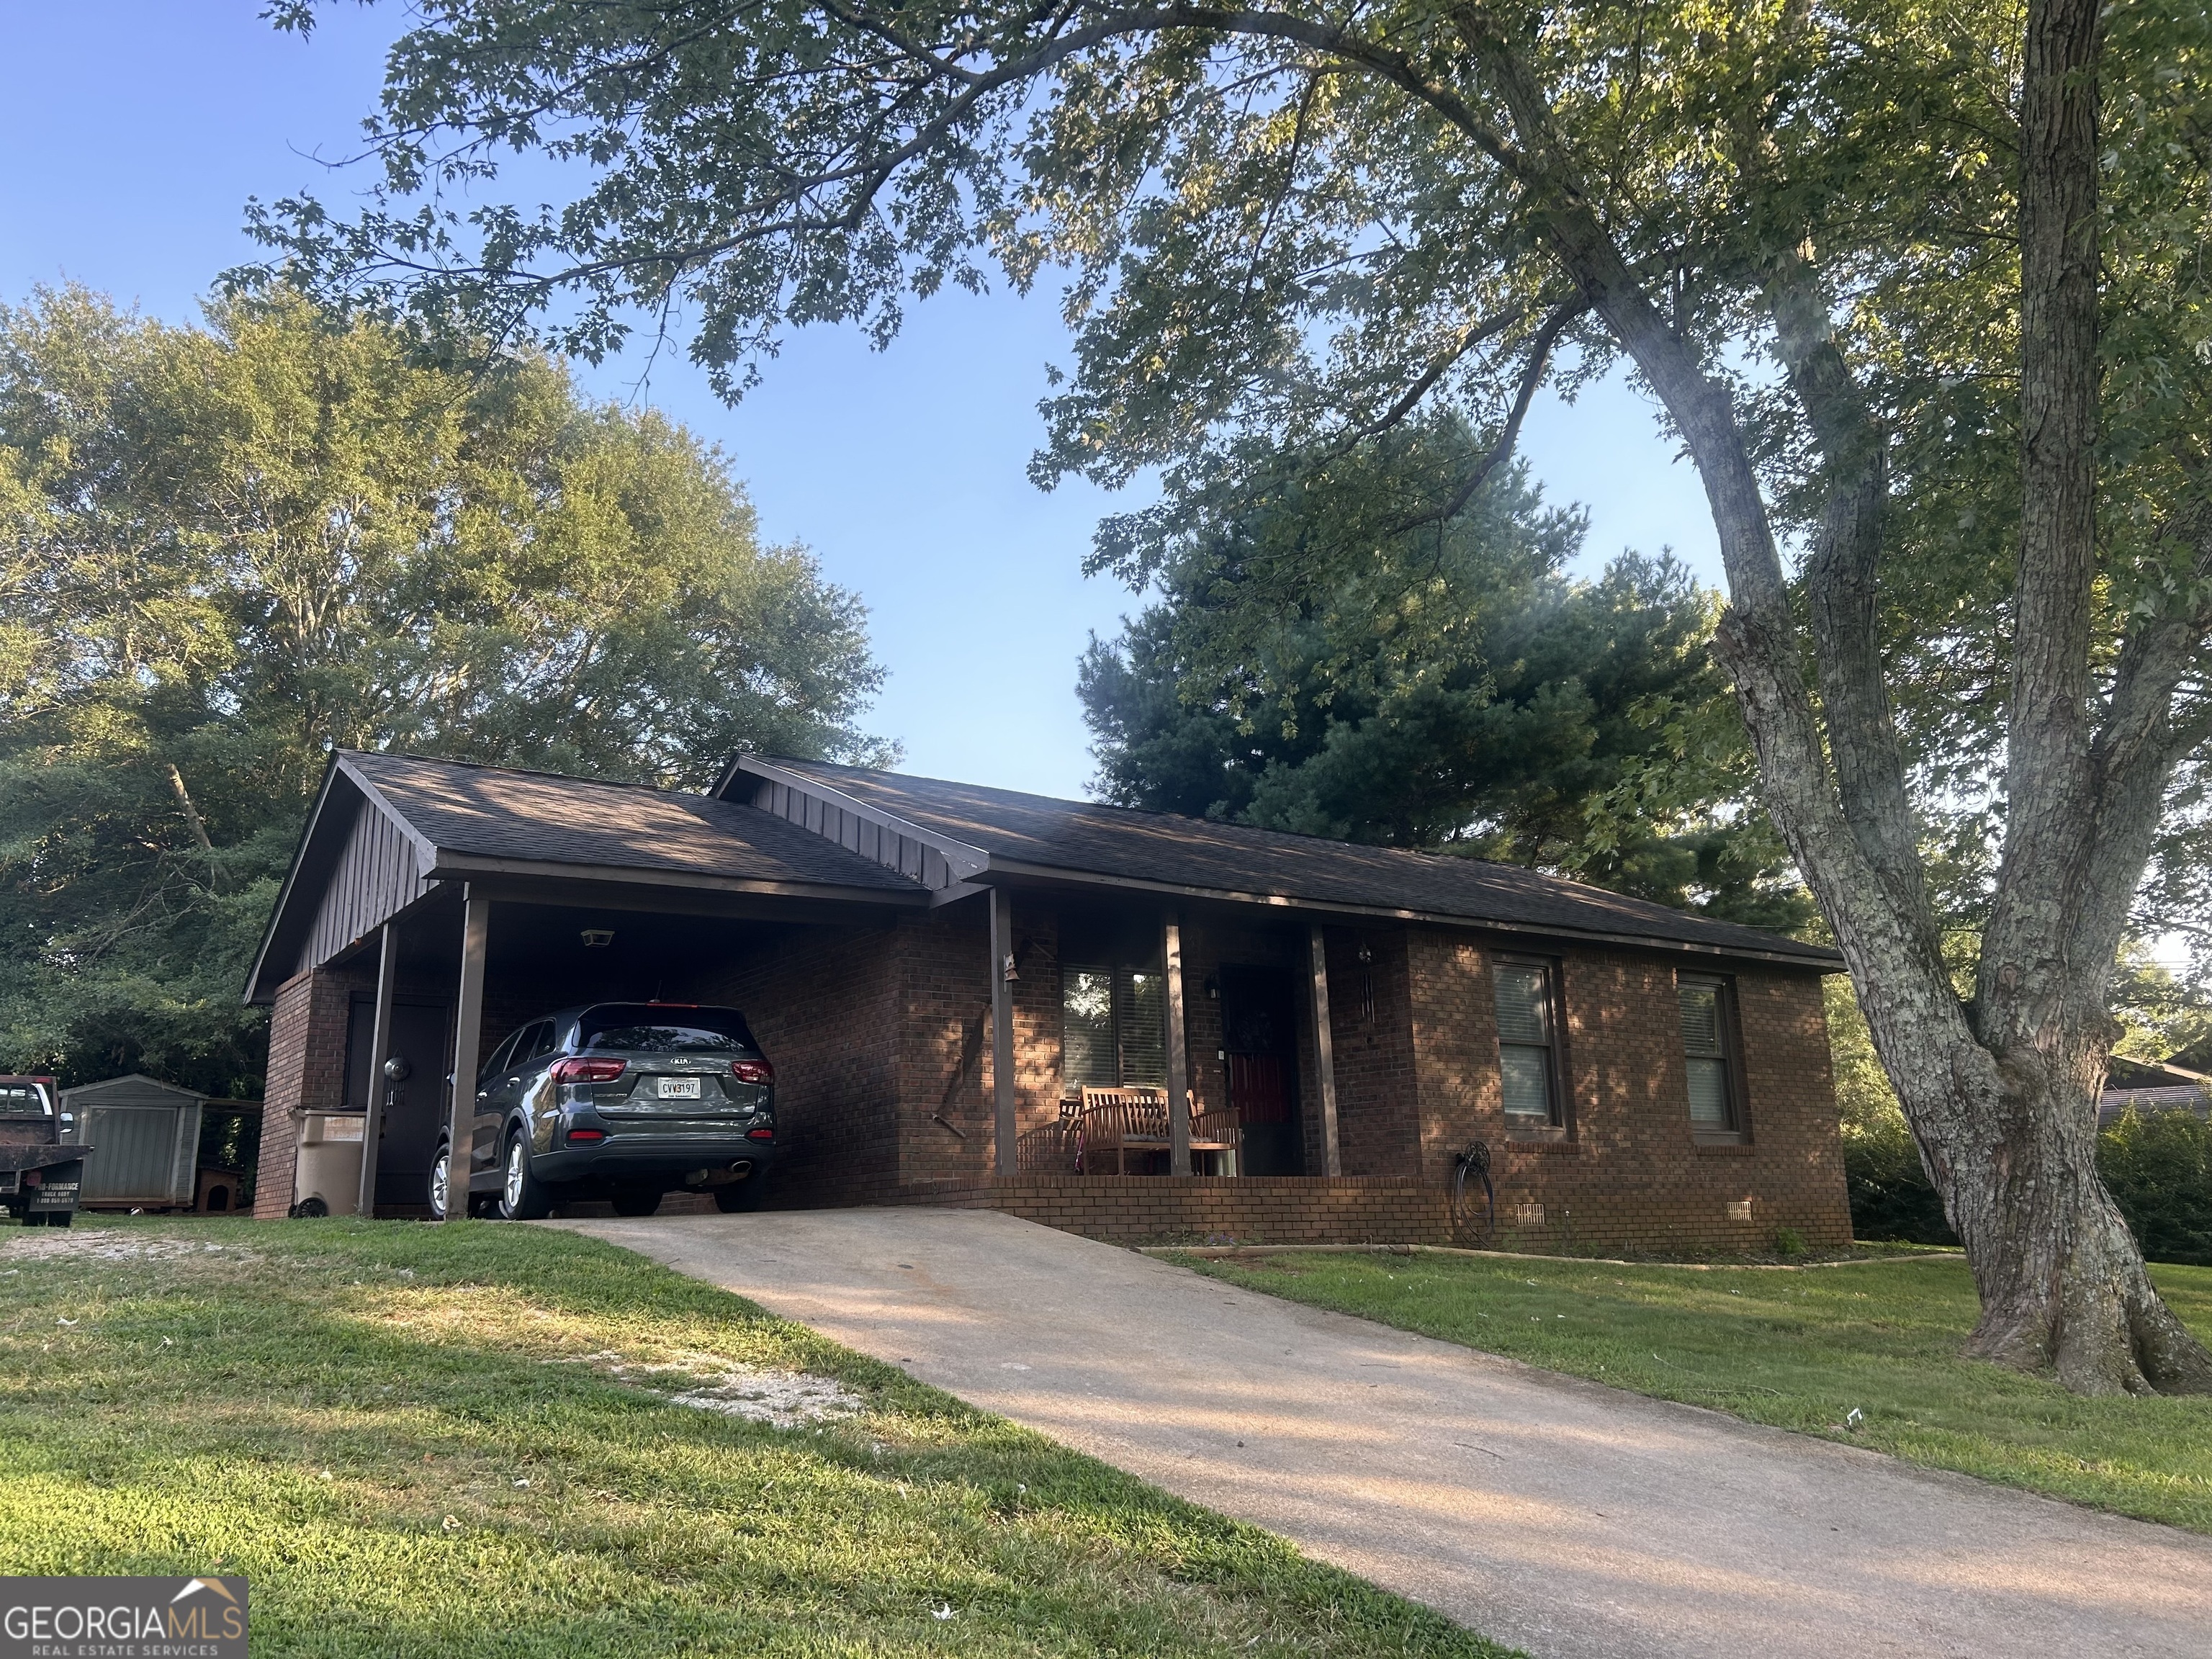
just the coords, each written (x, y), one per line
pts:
(625, 1101)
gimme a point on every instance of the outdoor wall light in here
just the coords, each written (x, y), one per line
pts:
(1213, 988)
(598, 938)
(1011, 973)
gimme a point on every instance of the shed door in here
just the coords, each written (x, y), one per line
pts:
(1260, 1039)
(134, 1155)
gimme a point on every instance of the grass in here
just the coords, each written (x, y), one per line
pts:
(415, 1441)
(1867, 1354)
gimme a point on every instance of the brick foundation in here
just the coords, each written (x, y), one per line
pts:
(1253, 1210)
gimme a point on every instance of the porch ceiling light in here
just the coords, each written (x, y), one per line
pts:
(598, 938)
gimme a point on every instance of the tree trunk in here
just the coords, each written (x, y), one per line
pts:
(2011, 1146)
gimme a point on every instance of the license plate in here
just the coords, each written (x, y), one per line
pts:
(679, 1088)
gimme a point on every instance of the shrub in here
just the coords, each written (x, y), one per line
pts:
(1892, 1197)
(2157, 1166)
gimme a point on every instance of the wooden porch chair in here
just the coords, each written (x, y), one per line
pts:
(1120, 1122)
(1219, 1136)
(1050, 1147)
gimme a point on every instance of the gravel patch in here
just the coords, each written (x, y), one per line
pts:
(92, 1244)
(759, 1393)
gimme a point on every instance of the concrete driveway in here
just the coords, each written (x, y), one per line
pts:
(1572, 1520)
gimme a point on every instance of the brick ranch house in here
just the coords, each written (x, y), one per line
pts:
(936, 971)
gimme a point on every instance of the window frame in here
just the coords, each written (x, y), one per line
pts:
(1737, 1130)
(1560, 1124)
(1121, 978)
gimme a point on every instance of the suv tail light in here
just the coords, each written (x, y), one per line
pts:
(752, 1071)
(587, 1069)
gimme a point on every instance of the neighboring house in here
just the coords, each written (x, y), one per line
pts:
(938, 969)
(2151, 1086)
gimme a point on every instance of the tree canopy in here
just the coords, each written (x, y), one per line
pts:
(229, 550)
(1455, 692)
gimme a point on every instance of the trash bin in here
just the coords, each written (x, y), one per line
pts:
(329, 1178)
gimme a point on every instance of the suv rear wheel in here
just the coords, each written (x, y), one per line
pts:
(522, 1195)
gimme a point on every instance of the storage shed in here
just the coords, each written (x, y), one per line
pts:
(145, 1141)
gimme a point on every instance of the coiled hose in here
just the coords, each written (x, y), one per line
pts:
(1474, 1161)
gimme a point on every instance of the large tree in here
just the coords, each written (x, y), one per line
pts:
(227, 549)
(1916, 286)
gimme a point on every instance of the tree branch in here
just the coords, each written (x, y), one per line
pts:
(1532, 376)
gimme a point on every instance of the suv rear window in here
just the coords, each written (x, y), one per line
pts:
(649, 1028)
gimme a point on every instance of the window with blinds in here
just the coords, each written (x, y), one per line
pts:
(1705, 1049)
(1526, 1053)
(1114, 1028)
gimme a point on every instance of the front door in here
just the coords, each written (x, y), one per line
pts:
(1260, 1041)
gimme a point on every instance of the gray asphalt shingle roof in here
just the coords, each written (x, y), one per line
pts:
(489, 812)
(1086, 837)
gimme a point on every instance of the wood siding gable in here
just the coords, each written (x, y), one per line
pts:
(378, 874)
(902, 847)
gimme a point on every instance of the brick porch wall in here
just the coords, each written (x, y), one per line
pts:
(1261, 1210)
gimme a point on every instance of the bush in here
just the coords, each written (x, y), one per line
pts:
(2157, 1166)
(1892, 1197)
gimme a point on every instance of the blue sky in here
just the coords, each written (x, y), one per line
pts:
(132, 133)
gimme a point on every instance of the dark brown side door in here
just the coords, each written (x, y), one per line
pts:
(1260, 1043)
(415, 1107)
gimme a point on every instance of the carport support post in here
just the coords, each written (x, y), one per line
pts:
(1324, 1052)
(1178, 1050)
(380, 1050)
(1002, 1029)
(468, 1031)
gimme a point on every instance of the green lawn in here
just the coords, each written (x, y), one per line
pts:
(1801, 1349)
(465, 1440)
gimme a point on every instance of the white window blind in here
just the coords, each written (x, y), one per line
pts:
(1113, 1028)
(1705, 1051)
(1086, 1005)
(1524, 1040)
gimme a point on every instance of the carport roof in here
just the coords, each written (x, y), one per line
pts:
(463, 812)
(387, 829)
(1001, 832)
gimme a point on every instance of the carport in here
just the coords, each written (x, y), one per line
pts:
(433, 906)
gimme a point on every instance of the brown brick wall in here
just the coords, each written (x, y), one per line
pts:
(306, 1073)
(1630, 1177)
(1162, 1210)
(822, 1004)
(1377, 1091)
